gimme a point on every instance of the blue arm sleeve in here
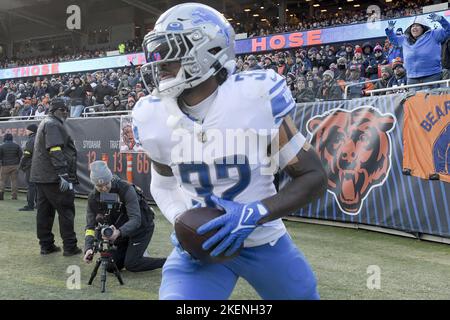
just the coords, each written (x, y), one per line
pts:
(442, 34)
(393, 38)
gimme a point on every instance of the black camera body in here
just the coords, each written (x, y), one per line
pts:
(108, 202)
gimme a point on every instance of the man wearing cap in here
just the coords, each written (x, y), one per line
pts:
(386, 75)
(132, 221)
(25, 166)
(253, 63)
(399, 78)
(54, 170)
(10, 154)
(329, 89)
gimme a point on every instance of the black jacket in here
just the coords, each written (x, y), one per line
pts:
(10, 154)
(133, 217)
(77, 94)
(54, 153)
(25, 162)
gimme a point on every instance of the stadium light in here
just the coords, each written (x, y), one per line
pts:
(316, 5)
(247, 10)
(256, 15)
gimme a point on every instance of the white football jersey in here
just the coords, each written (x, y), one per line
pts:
(226, 153)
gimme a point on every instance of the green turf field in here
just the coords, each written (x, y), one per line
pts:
(410, 269)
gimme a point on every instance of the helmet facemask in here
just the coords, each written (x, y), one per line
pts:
(190, 49)
(161, 49)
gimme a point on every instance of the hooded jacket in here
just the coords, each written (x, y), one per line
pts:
(48, 164)
(421, 56)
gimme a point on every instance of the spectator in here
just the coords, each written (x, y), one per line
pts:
(130, 104)
(386, 75)
(356, 81)
(77, 94)
(399, 78)
(124, 82)
(117, 104)
(53, 89)
(25, 165)
(304, 93)
(349, 52)
(329, 89)
(421, 47)
(282, 67)
(10, 155)
(341, 71)
(268, 64)
(40, 112)
(253, 63)
(104, 89)
(358, 61)
(121, 48)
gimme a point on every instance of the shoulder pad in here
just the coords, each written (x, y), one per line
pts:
(144, 108)
(256, 83)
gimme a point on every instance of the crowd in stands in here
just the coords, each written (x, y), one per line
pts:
(105, 90)
(394, 9)
(316, 73)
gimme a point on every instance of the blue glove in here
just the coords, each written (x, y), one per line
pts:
(435, 17)
(180, 250)
(64, 183)
(391, 24)
(235, 225)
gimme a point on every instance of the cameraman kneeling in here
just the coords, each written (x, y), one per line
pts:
(131, 221)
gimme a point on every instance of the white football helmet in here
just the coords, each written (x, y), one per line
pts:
(197, 36)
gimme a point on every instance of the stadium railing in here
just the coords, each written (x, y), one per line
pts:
(425, 84)
(394, 89)
(357, 84)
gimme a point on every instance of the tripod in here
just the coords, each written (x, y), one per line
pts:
(105, 260)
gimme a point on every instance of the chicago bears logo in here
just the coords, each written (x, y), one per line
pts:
(355, 148)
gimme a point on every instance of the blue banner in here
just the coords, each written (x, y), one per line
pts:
(347, 33)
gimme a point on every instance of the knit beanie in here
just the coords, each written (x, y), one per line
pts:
(100, 173)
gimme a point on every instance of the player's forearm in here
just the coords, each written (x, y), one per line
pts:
(167, 195)
(309, 182)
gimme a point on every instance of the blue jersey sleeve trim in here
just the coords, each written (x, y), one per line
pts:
(279, 84)
(282, 103)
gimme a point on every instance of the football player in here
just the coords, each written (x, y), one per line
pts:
(197, 100)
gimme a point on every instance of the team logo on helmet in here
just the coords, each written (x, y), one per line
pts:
(355, 148)
(202, 15)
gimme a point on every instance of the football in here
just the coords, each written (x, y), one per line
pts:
(186, 225)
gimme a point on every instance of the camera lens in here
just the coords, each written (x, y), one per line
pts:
(107, 232)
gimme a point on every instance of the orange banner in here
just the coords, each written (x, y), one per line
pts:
(426, 136)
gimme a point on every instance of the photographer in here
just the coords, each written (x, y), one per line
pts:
(131, 221)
